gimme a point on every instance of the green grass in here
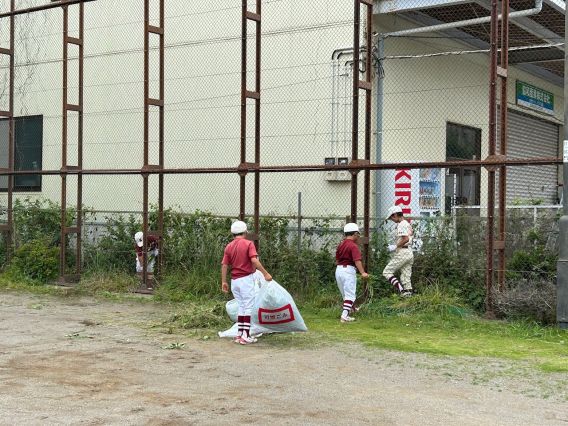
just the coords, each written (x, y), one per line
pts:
(463, 337)
(544, 348)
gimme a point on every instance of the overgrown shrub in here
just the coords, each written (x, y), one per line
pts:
(534, 262)
(114, 251)
(192, 241)
(36, 262)
(312, 269)
(37, 232)
(40, 220)
(453, 258)
(527, 299)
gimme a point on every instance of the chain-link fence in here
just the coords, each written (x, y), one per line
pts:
(188, 129)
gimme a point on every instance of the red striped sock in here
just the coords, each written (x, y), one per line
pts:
(246, 326)
(347, 305)
(396, 283)
(240, 320)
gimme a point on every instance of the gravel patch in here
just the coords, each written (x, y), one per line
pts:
(103, 362)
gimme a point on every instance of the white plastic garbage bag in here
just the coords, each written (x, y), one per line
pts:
(274, 311)
(232, 307)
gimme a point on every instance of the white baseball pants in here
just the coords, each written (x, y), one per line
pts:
(150, 261)
(243, 290)
(402, 260)
(346, 281)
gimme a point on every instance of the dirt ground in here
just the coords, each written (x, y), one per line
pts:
(103, 362)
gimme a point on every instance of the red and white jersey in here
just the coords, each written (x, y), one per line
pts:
(403, 229)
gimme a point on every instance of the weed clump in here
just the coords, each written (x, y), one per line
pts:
(527, 299)
(198, 316)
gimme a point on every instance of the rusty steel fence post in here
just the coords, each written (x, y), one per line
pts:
(65, 167)
(78, 259)
(491, 149)
(148, 101)
(245, 94)
(368, 131)
(11, 140)
(355, 161)
(502, 72)
(355, 109)
(11, 137)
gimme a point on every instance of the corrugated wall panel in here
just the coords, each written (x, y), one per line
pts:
(529, 137)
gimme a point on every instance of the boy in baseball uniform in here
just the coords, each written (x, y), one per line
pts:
(348, 258)
(152, 244)
(403, 258)
(241, 255)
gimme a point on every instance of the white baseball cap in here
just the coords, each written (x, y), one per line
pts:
(238, 227)
(139, 237)
(392, 210)
(351, 227)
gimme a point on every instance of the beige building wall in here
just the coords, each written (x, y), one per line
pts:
(202, 102)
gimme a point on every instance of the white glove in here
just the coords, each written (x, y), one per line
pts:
(391, 247)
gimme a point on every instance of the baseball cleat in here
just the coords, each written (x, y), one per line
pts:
(355, 310)
(347, 319)
(247, 340)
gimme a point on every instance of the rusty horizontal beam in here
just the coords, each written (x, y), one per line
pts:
(73, 230)
(71, 107)
(155, 30)
(4, 51)
(5, 114)
(253, 16)
(249, 166)
(252, 95)
(43, 7)
(155, 102)
(68, 168)
(74, 40)
(286, 169)
(365, 85)
(150, 167)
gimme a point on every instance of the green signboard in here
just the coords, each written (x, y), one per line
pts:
(534, 98)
